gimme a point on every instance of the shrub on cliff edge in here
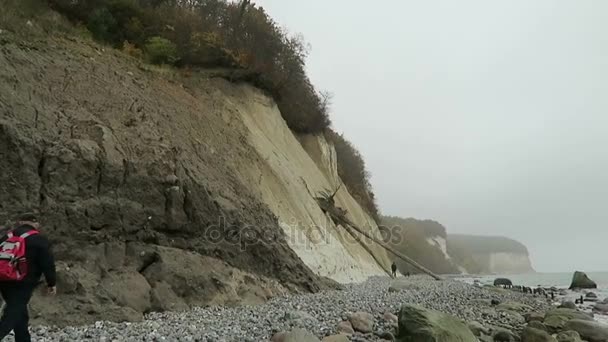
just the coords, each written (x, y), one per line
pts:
(211, 33)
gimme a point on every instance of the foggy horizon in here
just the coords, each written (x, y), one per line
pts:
(486, 117)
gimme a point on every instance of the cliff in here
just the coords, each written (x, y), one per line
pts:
(493, 254)
(160, 189)
(429, 243)
(425, 241)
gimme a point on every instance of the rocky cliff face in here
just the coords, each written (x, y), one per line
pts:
(137, 171)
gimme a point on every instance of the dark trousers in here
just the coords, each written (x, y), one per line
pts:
(15, 316)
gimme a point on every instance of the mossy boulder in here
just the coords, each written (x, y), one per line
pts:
(417, 324)
(536, 335)
(556, 319)
(589, 330)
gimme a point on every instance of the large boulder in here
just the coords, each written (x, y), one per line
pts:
(201, 280)
(503, 282)
(536, 335)
(568, 336)
(538, 325)
(534, 316)
(580, 280)
(556, 319)
(128, 289)
(417, 324)
(478, 329)
(362, 321)
(601, 308)
(589, 330)
(568, 305)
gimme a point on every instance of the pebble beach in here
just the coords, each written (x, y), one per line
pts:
(320, 314)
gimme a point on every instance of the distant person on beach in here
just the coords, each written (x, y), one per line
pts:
(394, 269)
(18, 280)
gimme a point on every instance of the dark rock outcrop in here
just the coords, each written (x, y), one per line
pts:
(503, 282)
(580, 280)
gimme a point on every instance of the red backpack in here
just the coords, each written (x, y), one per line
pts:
(13, 266)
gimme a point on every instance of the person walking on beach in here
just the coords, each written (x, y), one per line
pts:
(25, 255)
(394, 269)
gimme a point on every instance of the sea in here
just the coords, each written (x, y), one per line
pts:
(547, 280)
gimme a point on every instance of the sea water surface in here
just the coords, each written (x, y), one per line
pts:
(546, 280)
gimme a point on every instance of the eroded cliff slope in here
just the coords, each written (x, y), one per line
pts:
(138, 170)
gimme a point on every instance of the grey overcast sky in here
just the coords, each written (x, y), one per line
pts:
(488, 116)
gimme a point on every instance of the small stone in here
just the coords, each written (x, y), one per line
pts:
(345, 328)
(335, 338)
(390, 317)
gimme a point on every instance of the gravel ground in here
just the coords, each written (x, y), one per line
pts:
(318, 313)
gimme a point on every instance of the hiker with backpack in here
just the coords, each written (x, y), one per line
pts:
(25, 255)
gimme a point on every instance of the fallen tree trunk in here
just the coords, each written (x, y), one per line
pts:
(326, 204)
(393, 251)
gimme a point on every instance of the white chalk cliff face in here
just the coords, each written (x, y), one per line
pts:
(513, 263)
(288, 173)
(492, 254)
(441, 243)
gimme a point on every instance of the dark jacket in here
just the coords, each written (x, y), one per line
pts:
(39, 257)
